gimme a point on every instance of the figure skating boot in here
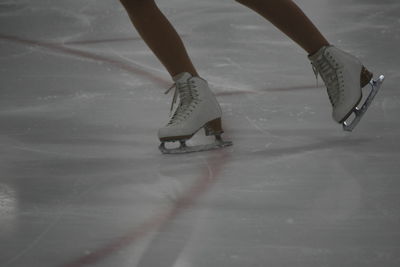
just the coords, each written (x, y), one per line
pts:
(344, 76)
(197, 109)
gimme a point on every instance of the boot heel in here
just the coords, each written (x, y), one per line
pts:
(366, 77)
(213, 127)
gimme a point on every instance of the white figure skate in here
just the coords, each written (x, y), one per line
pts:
(197, 109)
(344, 77)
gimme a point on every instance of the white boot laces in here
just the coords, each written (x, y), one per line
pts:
(189, 98)
(327, 67)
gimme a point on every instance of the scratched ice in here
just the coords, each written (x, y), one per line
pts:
(82, 182)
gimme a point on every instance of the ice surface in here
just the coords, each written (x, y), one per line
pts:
(82, 182)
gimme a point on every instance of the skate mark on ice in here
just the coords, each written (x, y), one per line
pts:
(32, 244)
(202, 184)
(40, 151)
(316, 146)
(272, 89)
(55, 221)
(102, 41)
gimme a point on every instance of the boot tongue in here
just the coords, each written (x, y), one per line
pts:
(317, 54)
(181, 81)
(182, 77)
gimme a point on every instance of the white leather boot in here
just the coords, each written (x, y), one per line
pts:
(198, 108)
(344, 76)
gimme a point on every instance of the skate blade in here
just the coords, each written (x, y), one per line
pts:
(183, 149)
(359, 112)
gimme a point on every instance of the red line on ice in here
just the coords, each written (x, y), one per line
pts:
(88, 55)
(108, 40)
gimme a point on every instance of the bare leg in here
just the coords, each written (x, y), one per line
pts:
(159, 35)
(289, 18)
